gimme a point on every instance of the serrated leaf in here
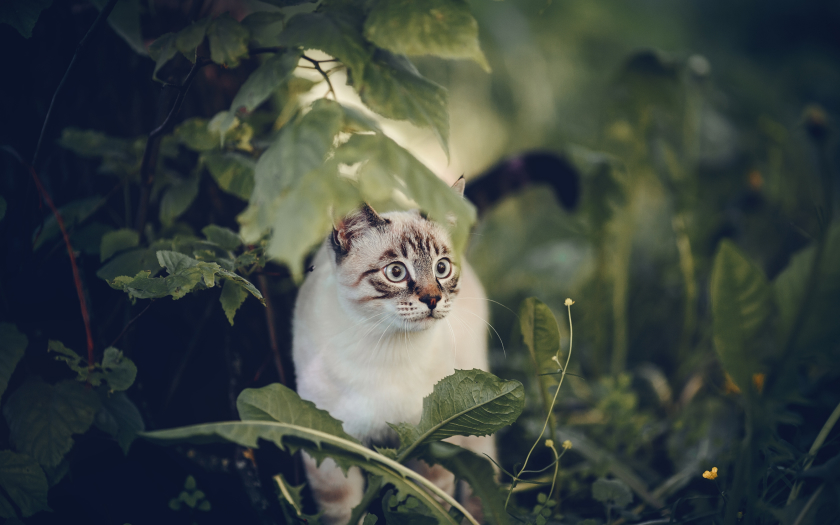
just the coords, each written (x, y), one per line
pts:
(475, 470)
(444, 28)
(291, 499)
(233, 173)
(466, 403)
(120, 371)
(820, 324)
(612, 491)
(264, 81)
(117, 241)
(404, 514)
(12, 347)
(228, 41)
(120, 418)
(72, 214)
(162, 51)
(195, 134)
(224, 237)
(392, 87)
(42, 418)
(130, 263)
(232, 298)
(191, 37)
(125, 21)
(22, 14)
(333, 32)
(742, 305)
(177, 198)
(264, 27)
(24, 482)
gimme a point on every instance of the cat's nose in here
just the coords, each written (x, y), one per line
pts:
(430, 300)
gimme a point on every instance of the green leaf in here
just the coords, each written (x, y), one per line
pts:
(177, 198)
(228, 41)
(224, 237)
(222, 124)
(291, 500)
(541, 335)
(444, 28)
(264, 27)
(264, 81)
(742, 305)
(191, 37)
(125, 21)
(232, 298)
(117, 241)
(475, 470)
(612, 491)
(162, 51)
(42, 418)
(3, 207)
(88, 238)
(12, 346)
(120, 418)
(333, 32)
(120, 371)
(397, 513)
(233, 173)
(195, 134)
(820, 326)
(76, 363)
(72, 214)
(92, 144)
(392, 87)
(130, 263)
(22, 14)
(24, 482)
(466, 403)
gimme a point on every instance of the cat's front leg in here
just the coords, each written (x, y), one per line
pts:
(335, 493)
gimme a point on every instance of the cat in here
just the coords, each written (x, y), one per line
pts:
(388, 311)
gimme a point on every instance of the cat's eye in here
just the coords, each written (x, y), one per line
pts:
(396, 272)
(443, 268)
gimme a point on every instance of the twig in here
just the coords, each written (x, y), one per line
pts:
(272, 331)
(324, 74)
(130, 323)
(150, 152)
(103, 15)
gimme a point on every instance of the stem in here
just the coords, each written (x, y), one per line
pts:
(808, 505)
(103, 15)
(815, 447)
(324, 74)
(272, 330)
(687, 269)
(374, 486)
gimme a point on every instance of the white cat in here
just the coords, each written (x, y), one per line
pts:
(387, 312)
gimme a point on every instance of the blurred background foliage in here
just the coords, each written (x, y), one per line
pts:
(688, 123)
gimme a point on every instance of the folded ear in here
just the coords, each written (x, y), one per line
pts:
(459, 185)
(345, 230)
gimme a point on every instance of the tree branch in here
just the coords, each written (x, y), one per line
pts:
(272, 331)
(103, 15)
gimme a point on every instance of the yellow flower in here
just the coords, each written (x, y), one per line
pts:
(567, 444)
(569, 302)
(710, 474)
(549, 443)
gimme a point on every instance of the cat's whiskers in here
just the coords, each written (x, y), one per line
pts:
(494, 330)
(491, 301)
(407, 349)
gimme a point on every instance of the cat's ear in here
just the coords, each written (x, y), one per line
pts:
(350, 227)
(459, 185)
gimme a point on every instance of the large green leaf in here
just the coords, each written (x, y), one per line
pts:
(22, 14)
(162, 50)
(265, 80)
(820, 324)
(307, 427)
(541, 335)
(467, 403)
(444, 28)
(228, 41)
(117, 241)
(232, 298)
(264, 27)
(742, 305)
(120, 418)
(195, 134)
(177, 198)
(234, 173)
(392, 87)
(24, 482)
(475, 470)
(72, 214)
(224, 237)
(42, 418)
(336, 33)
(191, 37)
(12, 346)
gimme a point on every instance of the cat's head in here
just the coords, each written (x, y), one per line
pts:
(398, 268)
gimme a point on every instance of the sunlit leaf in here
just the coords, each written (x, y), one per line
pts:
(42, 418)
(228, 41)
(264, 81)
(24, 482)
(444, 28)
(117, 241)
(467, 403)
(264, 27)
(195, 134)
(333, 32)
(234, 173)
(12, 346)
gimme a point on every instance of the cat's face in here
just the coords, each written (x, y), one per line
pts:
(396, 271)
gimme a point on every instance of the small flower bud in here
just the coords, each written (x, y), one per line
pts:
(567, 444)
(549, 443)
(569, 302)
